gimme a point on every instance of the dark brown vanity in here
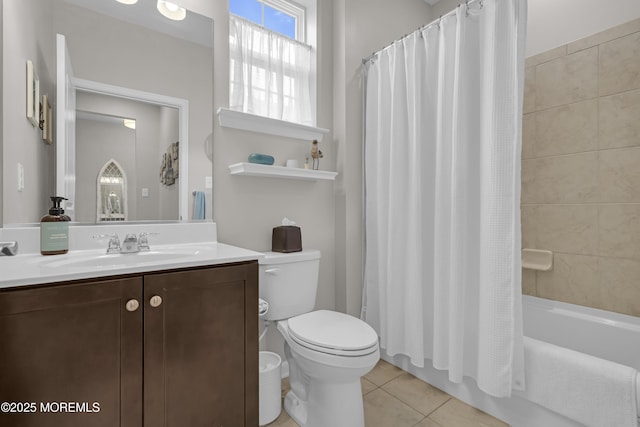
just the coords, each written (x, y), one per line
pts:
(171, 348)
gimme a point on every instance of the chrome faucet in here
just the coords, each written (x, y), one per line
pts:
(143, 240)
(114, 242)
(131, 244)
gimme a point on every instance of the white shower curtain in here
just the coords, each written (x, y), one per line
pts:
(443, 110)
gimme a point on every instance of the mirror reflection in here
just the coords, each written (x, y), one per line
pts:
(141, 139)
(111, 191)
(128, 46)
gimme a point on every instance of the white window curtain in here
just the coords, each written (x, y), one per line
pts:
(443, 116)
(270, 74)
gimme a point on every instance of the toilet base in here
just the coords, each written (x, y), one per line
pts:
(335, 405)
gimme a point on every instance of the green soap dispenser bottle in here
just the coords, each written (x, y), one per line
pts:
(54, 230)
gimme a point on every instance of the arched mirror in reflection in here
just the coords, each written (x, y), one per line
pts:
(111, 193)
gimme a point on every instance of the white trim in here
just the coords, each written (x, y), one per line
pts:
(65, 144)
(294, 10)
(182, 105)
(269, 171)
(251, 122)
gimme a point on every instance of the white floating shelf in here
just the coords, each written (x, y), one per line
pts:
(253, 169)
(536, 259)
(251, 122)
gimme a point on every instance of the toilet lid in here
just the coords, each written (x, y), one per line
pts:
(331, 330)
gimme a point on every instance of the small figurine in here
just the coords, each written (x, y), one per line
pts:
(316, 155)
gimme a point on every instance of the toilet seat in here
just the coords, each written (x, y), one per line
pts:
(333, 333)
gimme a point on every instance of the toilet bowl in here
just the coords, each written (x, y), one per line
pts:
(327, 351)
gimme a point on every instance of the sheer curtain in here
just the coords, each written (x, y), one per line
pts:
(442, 163)
(270, 73)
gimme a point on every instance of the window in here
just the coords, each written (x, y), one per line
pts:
(281, 16)
(271, 71)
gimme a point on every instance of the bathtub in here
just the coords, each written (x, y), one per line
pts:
(602, 334)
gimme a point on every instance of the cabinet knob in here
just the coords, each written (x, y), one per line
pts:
(132, 305)
(155, 301)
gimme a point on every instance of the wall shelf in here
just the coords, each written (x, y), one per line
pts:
(253, 169)
(251, 122)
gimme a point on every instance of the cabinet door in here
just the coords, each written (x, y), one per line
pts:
(71, 355)
(201, 347)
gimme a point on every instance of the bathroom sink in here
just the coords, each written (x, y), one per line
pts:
(102, 260)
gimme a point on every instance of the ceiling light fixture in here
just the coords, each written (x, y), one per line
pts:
(127, 1)
(171, 10)
(130, 123)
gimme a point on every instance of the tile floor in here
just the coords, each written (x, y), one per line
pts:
(394, 398)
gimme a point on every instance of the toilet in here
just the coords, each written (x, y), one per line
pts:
(327, 352)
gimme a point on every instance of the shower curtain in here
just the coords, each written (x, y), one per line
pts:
(443, 110)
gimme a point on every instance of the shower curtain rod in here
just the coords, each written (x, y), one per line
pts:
(422, 28)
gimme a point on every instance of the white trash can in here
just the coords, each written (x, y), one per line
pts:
(270, 387)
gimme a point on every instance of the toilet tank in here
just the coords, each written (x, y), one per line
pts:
(289, 282)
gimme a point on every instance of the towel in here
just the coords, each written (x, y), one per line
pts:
(587, 389)
(198, 205)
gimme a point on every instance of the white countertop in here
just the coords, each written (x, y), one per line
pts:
(191, 246)
(31, 269)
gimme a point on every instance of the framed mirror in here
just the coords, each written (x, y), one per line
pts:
(115, 45)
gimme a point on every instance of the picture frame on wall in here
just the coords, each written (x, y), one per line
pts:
(47, 120)
(33, 95)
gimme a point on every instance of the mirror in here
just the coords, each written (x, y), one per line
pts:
(110, 44)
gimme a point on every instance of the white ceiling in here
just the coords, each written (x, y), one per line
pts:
(194, 28)
(432, 2)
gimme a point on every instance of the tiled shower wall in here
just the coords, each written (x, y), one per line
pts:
(581, 170)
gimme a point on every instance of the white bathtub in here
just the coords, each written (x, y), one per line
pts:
(603, 334)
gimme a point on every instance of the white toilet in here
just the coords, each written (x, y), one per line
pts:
(327, 351)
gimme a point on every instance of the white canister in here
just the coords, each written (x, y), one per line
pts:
(270, 387)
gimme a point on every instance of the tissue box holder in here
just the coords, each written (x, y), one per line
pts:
(286, 238)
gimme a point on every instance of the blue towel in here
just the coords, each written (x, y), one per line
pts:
(198, 205)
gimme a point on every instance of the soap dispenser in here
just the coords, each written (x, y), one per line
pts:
(54, 230)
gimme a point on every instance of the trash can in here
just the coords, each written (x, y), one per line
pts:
(270, 387)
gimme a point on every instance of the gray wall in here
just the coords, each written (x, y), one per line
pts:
(22, 143)
(96, 143)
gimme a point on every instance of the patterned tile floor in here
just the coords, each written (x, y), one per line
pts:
(394, 398)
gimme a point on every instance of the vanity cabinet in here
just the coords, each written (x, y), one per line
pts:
(201, 348)
(168, 349)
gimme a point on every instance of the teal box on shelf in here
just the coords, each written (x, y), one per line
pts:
(261, 159)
